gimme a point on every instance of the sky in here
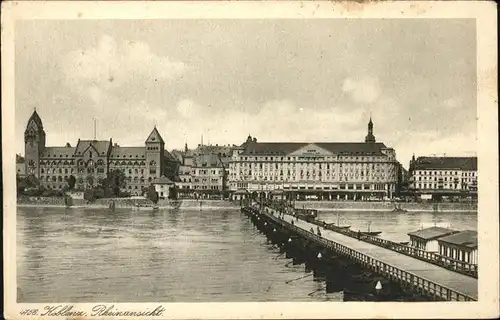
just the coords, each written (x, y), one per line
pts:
(303, 80)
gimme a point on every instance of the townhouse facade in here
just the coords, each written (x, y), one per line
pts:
(449, 176)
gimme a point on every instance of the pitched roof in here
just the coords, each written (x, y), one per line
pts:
(101, 146)
(154, 136)
(207, 160)
(177, 154)
(462, 163)
(466, 238)
(58, 152)
(36, 118)
(432, 233)
(206, 149)
(128, 153)
(284, 148)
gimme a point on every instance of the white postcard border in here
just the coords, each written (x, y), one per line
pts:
(484, 12)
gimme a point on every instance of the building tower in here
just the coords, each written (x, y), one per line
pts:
(34, 144)
(155, 151)
(370, 138)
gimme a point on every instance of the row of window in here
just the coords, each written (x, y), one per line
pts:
(99, 162)
(325, 179)
(313, 174)
(298, 158)
(379, 186)
(440, 173)
(455, 186)
(316, 165)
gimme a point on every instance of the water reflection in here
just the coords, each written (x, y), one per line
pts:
(88, 255)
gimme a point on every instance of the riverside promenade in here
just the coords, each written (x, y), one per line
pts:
(432, 279)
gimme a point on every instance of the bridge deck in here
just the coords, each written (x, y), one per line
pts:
(453, 280)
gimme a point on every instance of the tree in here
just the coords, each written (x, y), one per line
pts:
(71, 182)
(99, 193)
(90, 180)
(115, 181)
(20, 184)
(152, 194)
(89, 195)
(172, 193)
(31, 182)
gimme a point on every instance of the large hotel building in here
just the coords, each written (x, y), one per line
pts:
(322, 170)
(91, 160)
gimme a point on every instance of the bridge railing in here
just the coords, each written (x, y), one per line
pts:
(435, 258)
(431, 257)
(404, 277)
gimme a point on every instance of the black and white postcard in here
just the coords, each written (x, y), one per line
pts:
(223, 160)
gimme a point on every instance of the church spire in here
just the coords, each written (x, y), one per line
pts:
(370, 138)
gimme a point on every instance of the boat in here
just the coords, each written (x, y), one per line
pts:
(404, 243)
(307, 212)
(399, 209)
(333, 226)
(369, 232)
(308, 215)
(338, 223)
(145, 207)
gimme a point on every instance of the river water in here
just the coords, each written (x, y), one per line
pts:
(172, 255)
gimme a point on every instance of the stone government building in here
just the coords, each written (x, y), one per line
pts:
(91, 160)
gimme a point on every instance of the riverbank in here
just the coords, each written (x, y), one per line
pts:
(126, 203)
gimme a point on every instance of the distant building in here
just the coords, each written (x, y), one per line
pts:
(427, 239)
(202, 172)
(91, 160)
(449, 176)
(324, 170)
(460, 246)
(162, 186)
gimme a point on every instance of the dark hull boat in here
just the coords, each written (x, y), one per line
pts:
(333, 226)
(371, 233)
(308, 215)
(399, 209)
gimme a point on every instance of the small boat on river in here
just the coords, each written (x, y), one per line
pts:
(399, 209)
(369, 232)
(333, 226)
(308, 215)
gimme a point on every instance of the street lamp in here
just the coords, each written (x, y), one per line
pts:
(378, 287)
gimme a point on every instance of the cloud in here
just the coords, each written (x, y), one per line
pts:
(110, 65)
(430, 143)
(452, 103)
(187, 108)
(276, 120)
(362, 90)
